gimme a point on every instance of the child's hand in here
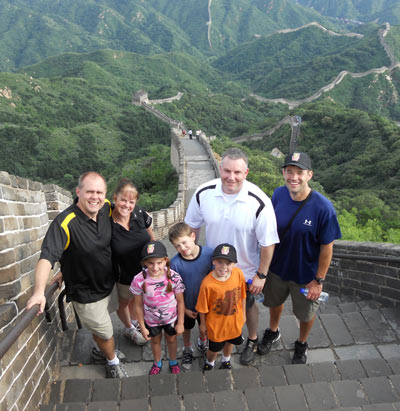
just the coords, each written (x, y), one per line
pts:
(179, 329)
(203, 330)
(190, 313)
(145, 332)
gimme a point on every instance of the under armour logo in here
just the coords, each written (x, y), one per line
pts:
(307, 222)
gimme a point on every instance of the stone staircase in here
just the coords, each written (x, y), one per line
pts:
(353, 364)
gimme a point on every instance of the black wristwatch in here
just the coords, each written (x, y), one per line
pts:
(319, 280)
(261, 276)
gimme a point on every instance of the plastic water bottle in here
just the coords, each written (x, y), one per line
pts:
(322, 298)
(258, 297)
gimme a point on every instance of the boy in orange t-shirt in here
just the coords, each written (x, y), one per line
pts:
(221, 304)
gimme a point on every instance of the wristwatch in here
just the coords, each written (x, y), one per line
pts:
(319, 280)
(261, 276)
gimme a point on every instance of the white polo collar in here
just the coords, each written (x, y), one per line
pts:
(242, 196)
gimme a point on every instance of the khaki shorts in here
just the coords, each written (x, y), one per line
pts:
(96, 316)
(123, 292)
(276, 291)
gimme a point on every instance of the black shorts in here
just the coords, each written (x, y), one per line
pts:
(189, 322)
(154, 331)
(218, 346)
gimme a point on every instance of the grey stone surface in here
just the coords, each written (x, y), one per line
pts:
(136, 404)
(319, 396)
(395, 380)
(134, 388)
(218, 380)
(320, 355)
(191, 382)
(199, 402)
(162, 384)
(324, 371)
(106, 389)
(298, 374)
(358, 327)
(379, 407)
(103, 406)
(379, 390)
(376, 367)
(229, 400)
(81, 352)
(390, 351)
(291, 397)
(245, 378)
(289, 328)
(261, 399)
(336, 329)
(380, 326)
(350, 369)
(166, 402)
(77, 390)
(318, 337)
(359, 352)
(349, 393)
(393, 317)
(71, 407)
(272, 376)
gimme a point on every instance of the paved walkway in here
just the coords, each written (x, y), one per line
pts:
(353, 361)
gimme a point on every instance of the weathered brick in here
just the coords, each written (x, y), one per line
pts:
(7, 313)
(387, 271)
(10, 290)
(5, 178)
(391, 293)
(9, 274)
(9, 193)
(393, 283)
(7, 258)
(30, 222)
(4, 209)
(28, 264)
(17, 209)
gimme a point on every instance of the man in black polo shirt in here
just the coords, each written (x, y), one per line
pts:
(79, 238)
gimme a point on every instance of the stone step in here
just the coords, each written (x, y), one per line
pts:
(322, 386)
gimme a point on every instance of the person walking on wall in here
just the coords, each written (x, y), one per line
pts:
(238, 212)
(307, 226)
(79, 238)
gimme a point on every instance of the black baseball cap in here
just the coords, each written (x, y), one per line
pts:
(298, 159)
(226, 251)
(154, 249)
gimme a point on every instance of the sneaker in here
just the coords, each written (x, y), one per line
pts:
(248, 353)
(187, 359)
(155, 369)
(207, 367)
(300, 353)
(225, 365)
(175, 369)
(115, 371)
(203, 348)
(99, 358)
(268, 339)
(135, 335)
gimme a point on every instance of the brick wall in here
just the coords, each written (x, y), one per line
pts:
(26, 207)
(378, 280)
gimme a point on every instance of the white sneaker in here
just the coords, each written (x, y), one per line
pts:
(135, 335)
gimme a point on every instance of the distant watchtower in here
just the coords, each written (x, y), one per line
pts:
(140, 97)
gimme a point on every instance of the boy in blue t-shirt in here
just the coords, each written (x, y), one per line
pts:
(193, 263)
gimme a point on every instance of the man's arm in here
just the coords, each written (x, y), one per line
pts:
(266, 254)
(324, 261)
(42, 272)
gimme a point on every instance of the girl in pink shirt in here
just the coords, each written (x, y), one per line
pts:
(158, 299)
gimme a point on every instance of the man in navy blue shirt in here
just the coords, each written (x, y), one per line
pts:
(303, 256)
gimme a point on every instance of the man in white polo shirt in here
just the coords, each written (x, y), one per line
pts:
(236, 211)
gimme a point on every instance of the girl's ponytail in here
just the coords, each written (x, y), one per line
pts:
(144, 282)
(169, 286)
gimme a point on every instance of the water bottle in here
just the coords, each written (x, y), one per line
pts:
(258, 297)
(322, 298)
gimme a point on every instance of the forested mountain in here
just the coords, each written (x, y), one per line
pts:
(33, 30)
(364, 11)
(70, 69)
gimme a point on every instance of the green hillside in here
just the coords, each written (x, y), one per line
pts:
(295, 65)
(365, 11)
(31, 31)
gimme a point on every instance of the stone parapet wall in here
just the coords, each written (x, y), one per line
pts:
(165, 218)
(367, 279)
(203, 140)
(26, 207)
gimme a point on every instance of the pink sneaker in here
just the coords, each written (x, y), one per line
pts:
(175, 369)
(155, 369)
